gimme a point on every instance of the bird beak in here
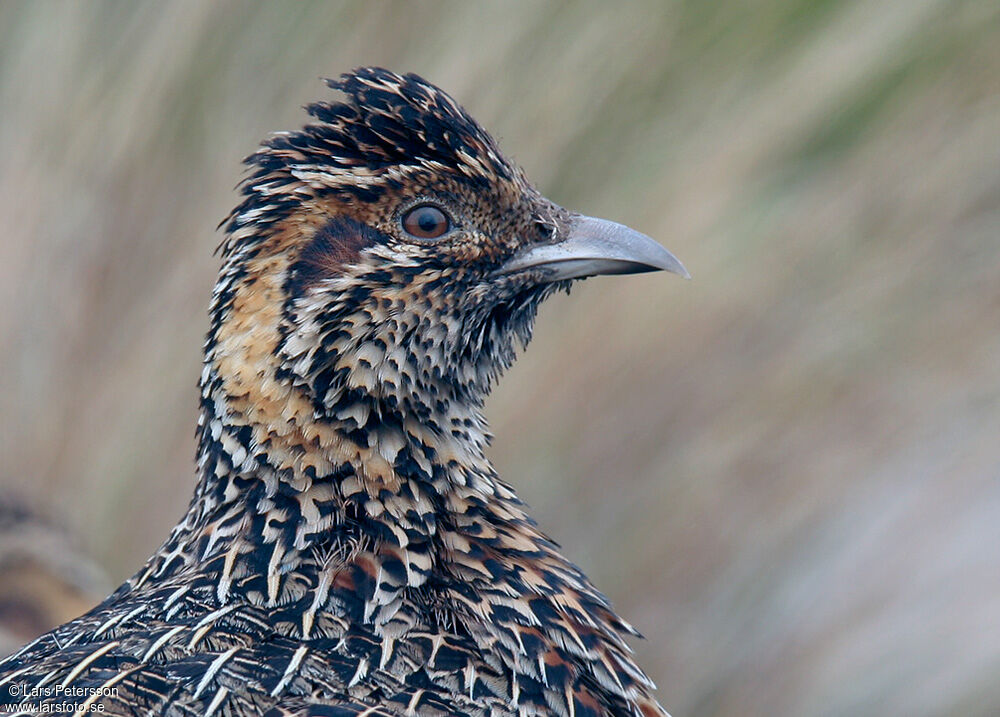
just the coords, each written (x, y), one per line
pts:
(595, 246)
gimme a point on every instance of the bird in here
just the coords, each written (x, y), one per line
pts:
(349, 548)
(45, 579)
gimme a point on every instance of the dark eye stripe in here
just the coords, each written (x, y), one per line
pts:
(426, 222)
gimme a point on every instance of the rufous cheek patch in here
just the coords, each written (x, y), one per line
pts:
(336, 244)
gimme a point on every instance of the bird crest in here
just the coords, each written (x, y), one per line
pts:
(389, 132)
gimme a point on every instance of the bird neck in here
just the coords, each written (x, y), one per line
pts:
(383, 513)
(280, 479)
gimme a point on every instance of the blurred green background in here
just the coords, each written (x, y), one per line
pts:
(786, 472)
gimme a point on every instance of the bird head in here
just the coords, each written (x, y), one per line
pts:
(389, 250)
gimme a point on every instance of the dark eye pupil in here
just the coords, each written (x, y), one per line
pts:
(426, 222)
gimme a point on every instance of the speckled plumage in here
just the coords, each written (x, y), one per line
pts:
(349, 548)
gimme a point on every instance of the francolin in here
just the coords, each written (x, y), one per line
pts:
(350, 549)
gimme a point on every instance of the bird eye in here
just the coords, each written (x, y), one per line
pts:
(426, 222)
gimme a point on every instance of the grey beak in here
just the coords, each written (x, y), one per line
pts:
(596, 246)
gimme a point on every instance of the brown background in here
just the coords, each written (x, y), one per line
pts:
(785, 472)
